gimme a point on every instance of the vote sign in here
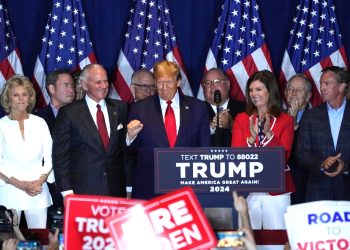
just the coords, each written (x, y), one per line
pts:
(173, 221)
(84, 226)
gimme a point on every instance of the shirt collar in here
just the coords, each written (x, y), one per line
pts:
(54, 110)
(223, 106)
(175, 101)
(340, 109)
(92, 104)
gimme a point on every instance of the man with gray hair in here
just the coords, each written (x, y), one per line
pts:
(142, 84)
(88, 140)
(298, 94)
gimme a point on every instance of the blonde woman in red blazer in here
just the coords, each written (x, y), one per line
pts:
(276, 129)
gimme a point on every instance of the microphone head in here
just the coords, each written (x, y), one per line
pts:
(217, 96)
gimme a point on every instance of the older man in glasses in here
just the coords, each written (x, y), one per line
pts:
(142, 84)
(213, 80)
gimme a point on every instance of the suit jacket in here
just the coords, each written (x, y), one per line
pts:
(225, 135)
(47, 114)
(80, 161)
(315, 144)
(300, 174)
(283, 130)
(193, 132)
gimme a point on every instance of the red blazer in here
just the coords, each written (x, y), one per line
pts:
(283, 134)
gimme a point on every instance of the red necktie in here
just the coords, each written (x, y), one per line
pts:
(101, 125)
(170, 124)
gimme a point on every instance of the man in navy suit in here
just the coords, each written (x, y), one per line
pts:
(84, 160)
(146, 129)
(216, 80)
(323, 141)
(59, 85)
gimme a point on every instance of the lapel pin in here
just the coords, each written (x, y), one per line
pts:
(186, 107)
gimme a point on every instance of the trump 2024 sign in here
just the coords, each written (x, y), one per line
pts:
(220, 170)
(84, 225)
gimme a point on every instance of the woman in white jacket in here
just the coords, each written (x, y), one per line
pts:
(25, 154)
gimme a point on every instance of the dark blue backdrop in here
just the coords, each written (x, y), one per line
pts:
(194, 22)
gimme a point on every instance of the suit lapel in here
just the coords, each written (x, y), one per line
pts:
(344, 128)
(326, 130)
(184, 120)
(113, 122)
(88, 122)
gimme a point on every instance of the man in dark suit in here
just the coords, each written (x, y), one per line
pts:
(298, 94)
(213, 80)
(323, 141)
(59, 85)
(147, 129)
(88, 151)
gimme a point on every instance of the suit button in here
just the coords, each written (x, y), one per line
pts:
(105, 174)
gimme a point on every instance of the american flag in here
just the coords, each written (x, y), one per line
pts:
(150, 37)
(239, 46)
(10, 63)
(65, 45)
(314, 43)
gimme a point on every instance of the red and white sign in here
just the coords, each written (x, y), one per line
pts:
(172, 221)
(84, 226)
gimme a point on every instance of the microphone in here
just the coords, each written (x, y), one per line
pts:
(217, 100)
(217, 97)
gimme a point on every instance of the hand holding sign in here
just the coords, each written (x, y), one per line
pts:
(173, 221)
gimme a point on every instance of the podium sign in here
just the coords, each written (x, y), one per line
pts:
(220, 170)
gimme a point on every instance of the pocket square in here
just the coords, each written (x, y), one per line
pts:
(120, 126)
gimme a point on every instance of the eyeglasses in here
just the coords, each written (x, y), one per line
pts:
(216, 82)
(144, 87)
(296, 91)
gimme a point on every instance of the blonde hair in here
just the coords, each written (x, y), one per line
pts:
(13, 82)
(166, 68)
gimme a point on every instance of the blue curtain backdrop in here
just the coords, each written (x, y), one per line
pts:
(194, 22)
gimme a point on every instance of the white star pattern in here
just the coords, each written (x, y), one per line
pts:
(60, 46)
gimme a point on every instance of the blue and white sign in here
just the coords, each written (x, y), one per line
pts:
(220, 170)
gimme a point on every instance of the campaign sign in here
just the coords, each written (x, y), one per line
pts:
(84, 226)
(319, 225)
(173, 221)
(219, 170)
